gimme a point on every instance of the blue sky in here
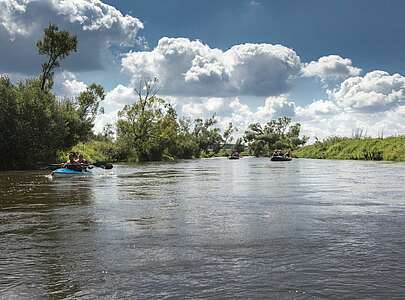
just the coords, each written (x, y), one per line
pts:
(370, 32)
(333, 66)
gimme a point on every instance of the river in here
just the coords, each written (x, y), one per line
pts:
(209, 228)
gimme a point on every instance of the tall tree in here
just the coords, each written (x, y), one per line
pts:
(56, 45)
(88, 107)
(207, 136)
(149, 125)
(227, 136)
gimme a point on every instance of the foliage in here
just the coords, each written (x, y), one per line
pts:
(239, 146)
(207, 136)
(228, 132)
(147, 127)
(56, 45)
(34, 124)
(95, 150)
(87, 105)
(281, 133)
(391, 148)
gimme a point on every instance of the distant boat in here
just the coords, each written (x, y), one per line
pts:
(281, 155)
(234, 155)
(280, 158)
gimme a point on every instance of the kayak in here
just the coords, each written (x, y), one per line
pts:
(280, 158)
(64, 172)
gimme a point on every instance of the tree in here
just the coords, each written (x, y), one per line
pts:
(239, 146)
(88, 107)
(149, 126)
(281, 133)
(56, 45)
(207, 136)
(227, 136)
(254, 137)
(108, 132)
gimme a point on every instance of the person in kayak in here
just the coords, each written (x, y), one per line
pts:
(72, 164)
(82, 161)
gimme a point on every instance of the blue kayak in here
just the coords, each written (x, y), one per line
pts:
(64, 172)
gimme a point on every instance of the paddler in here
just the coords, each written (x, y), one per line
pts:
(72, 164)
(82, 161)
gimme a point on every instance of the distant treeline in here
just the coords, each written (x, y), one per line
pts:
(150, 129)
(38, 127)
(356, 148)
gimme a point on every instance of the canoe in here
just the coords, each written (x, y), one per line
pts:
(233, 157)
(280, 158)
(63, 172)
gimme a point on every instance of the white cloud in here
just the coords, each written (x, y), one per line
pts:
(201, 106)
(96, 24)
(121, 95)
(67, 85)
(214, 104)
(104, 119)
(375, 92)
(374, 102)
(114, 101)
(191, 68)
(241, 115)
(254, 3)
(275, 107)
(331, 68)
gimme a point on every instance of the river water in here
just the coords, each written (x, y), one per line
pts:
(209, 228)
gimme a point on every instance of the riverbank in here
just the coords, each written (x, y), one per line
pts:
(390, 149)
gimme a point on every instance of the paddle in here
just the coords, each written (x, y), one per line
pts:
(103, 164)
(100, 164)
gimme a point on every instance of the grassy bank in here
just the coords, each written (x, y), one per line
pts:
(391, 148)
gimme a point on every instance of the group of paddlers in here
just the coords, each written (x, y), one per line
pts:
(76, 162)
(282, 153)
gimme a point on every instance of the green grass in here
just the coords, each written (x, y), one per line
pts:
(391, 148)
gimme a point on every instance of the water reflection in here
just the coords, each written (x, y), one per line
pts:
(248, 228)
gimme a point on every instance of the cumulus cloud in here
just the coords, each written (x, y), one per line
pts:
(331, 68)
(374, 102)
(241, 114)
(114, 101)
(186, 67)
(67, 85)
(375, 92)
(121, 95)
(275, 107)
(97, 25)
(320, 118)
(202, 106)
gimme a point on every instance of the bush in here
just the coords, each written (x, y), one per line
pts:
(391, 148)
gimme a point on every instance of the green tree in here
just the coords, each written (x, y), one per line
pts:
(88, 107)
(239, 146)
(56, 45)
(281, 133)
(228, 132)
(207, 136)
(186, 145)
(147, 127)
